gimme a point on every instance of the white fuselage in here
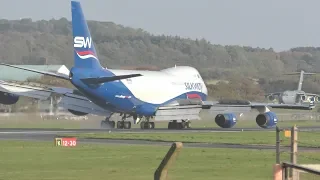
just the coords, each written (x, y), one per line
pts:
(157, 87)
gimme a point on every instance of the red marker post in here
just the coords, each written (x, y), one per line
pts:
(66, 142)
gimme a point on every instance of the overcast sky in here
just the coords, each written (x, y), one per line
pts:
(280, 24)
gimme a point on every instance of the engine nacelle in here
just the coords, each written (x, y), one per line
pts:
(271, 97)
(267, 120)
(226, 120)
(303, 98)
(77, 113)
(8, 98)
(311, 99)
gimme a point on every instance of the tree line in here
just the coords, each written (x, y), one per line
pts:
(250, 71)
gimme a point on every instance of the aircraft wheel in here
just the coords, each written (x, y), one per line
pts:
(103, 124)
(142, 125)
(147, 125)
(152, 125)
(107, 124)
(188, 124)
(173, 125)
(120, 124)
(179, 125)
(183, 125)
(169, 125)
(112, 124)
(127, 125)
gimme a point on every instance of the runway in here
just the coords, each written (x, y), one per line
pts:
(50, 134)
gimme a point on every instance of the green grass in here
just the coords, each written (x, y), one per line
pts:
(41, 160)
(42, 124)
(31, 121)
(306, 139)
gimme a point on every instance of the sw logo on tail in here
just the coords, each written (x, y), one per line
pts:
(81, 42)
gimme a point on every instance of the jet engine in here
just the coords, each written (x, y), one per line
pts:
(271, 97)
(8, 98)
(311, 99)
(267, 120)
(303, 97)
(317, 99)
(77, 113)
(226, 120)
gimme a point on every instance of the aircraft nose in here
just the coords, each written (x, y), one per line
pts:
(204, 89)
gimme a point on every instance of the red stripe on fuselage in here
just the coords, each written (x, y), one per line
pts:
(193, 96)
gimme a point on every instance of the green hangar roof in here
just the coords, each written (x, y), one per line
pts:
(14, 74)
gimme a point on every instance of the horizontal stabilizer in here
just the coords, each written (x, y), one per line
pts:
(298, 73)
(61, 76)
(107, 79)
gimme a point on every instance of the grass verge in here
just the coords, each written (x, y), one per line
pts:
(306, 139)
(41, 160)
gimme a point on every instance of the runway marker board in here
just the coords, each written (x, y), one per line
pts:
(65, 142)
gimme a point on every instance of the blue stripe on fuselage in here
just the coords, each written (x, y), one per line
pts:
(100, 94)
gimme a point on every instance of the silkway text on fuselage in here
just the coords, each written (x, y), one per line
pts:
(193, 86)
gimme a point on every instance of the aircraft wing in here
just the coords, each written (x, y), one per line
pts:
(255, 105)
(192, 111)
(70, 99)
(273, 93)
(311, 94)
(313, 97)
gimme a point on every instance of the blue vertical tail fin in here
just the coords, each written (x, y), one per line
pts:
(85, 55)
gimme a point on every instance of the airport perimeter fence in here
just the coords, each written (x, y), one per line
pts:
(297, 154)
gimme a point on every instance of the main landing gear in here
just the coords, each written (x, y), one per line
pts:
(107, 124)
(145, 124)
(179, 125)
(120, 124)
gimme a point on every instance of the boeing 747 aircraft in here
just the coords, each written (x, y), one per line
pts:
(176, 94)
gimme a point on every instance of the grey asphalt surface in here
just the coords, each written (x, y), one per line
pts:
(50, 134)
